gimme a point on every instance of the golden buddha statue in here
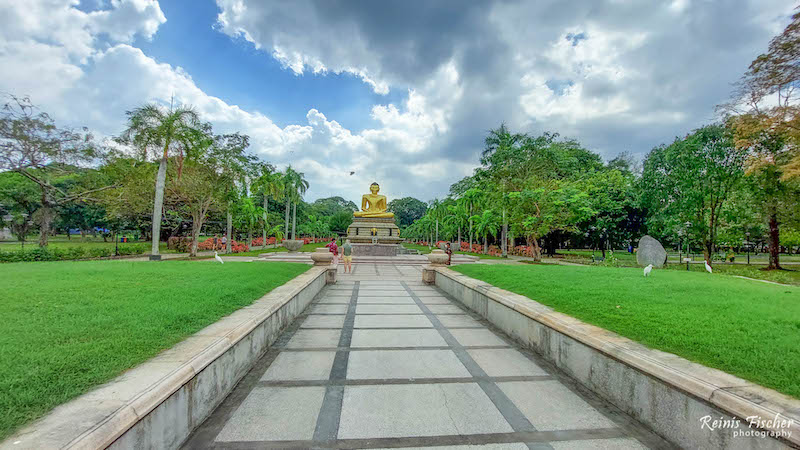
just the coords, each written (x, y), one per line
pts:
(373, 205)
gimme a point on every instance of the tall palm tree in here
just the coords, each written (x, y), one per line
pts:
(471, 199)
(270, 184)
(295, 186)
(486, 224)
(170, 130)
(458, 217)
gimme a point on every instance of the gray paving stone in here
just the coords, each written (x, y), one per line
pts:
(346, 294)
(428, 293)
(323, 321)
(549, 405)
(310, 338)
(445, 309)
(397, 338)
(371, 364)
(300, 366)
(599, 444)
(392, 321)
(275, 413)
(383, 293)
(403, 300)
(458, 321)
(505, 363)
(329, 309)
(507, 446)
(388, 309)
(438, 300)
(478, 337)
(334, 301)
(418, 410)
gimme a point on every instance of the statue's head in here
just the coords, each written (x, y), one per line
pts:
(374, 188)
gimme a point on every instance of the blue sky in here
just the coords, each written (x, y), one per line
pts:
(400, 92)
(236, 72)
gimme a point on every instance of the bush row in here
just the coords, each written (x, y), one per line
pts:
(60, 254)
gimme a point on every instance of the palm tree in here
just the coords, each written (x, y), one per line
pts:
(270, 184)
(486, 224)
(248, 215)
(458, 217)
(471, 199)
(151, 126)
(295, 186)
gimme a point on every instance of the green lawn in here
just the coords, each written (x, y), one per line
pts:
(742, 327)
(424, 249)
(304, 248)
(69, 326)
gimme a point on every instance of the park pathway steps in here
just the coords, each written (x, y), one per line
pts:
(380, 360)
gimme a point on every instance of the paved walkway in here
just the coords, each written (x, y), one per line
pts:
(381, 361)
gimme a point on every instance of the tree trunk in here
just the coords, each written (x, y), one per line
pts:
(294, 221)
(229, 230)
(437, 231)
(286, 226)
(197, 225)
(504, 236)
(485, 245)
(45, 218)
(264, 233)
(470, 234)
(536, 252)
(158, 204)
(459, 238)
(774, 240)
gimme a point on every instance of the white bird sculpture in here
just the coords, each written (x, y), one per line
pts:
(648, 269)
(216, 256)
(708, 267)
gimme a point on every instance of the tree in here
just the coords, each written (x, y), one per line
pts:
(332, 205)
(152, 128)
(690, 181)
(248, 216)
(486, 223)
(30, 142)
(228, 153)
(765, 118)
(296, 185)
(548, 206)
(406, 210)
(472, 198)
(340, 221)
(196, 192)
(269, 184)
(19, 198)
(458, 217)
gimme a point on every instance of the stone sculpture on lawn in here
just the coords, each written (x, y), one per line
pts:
(650, 251)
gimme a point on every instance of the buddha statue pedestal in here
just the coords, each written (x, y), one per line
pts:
(373, 231)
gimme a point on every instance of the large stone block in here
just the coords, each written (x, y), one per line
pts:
(650, 251)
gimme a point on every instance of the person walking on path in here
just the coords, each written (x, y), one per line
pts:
(223, 242)
(347, 256)
(334, 249)
(449, 252)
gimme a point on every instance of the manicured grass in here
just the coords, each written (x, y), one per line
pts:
(304, 248)
(423, 249)
(69, 326)
(743, 327)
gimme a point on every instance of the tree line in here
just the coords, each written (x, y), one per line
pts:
(735, 183)
(167, 174)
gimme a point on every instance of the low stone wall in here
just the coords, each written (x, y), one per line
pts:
(157, 404)
(690, 405)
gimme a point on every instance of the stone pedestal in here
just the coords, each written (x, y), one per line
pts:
(375, 249)
(330, 275)
(373, 230)
(428, 275)
(322, 256)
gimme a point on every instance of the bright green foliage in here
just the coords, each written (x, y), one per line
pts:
(406, 210)
(690, 181)
(70, 326)
(747, 328)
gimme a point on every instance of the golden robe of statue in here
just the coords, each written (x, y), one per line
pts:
(373, 205)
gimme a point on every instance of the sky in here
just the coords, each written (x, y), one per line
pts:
(401, 92)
